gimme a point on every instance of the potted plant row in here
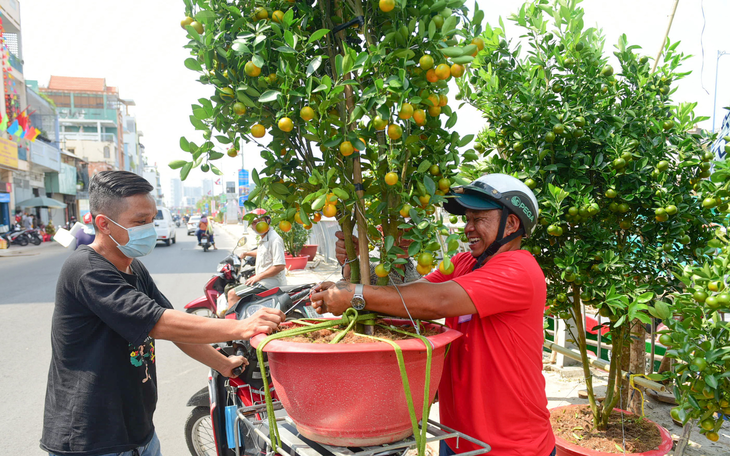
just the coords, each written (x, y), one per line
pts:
(622, 185)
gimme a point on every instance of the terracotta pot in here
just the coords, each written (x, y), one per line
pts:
(309, 250)
(569, 449)
(299, 262)
(352, 394)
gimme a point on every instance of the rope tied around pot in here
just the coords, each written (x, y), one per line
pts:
(350, 318)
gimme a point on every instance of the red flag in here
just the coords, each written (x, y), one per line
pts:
(218, 182)
(23, 120)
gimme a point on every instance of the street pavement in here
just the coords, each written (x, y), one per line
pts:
(28, 276)
(28, 281)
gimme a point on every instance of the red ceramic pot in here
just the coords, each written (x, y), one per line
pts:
(299, 262)
(309, 250)
(569, 449)
(351, 394)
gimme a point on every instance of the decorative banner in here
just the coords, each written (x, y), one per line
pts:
(8, 153)
(14, 129)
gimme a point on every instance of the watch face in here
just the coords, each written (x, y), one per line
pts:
(358, 303)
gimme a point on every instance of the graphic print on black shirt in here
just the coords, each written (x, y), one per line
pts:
(143, 355)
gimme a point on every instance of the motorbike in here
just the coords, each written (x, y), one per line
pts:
(34, 236)
(230, 272)
(209, 429)
(16, 235)
(205, 242)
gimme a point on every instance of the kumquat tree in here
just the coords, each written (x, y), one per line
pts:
(621, 181)
(349, 104)
(698, 338)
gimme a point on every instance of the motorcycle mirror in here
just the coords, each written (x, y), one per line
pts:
(243, 241)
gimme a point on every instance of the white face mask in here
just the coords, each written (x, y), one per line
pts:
(142, 240)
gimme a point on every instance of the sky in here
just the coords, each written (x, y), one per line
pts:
(137, 45)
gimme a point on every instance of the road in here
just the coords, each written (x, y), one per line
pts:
(26, 305)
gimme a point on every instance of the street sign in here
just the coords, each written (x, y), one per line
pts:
(243, 177)
(242, 200)
(223, 198)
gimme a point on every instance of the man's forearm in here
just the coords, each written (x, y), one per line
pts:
(180, 327)
(205, 354)
(272, 271)
(424, 300)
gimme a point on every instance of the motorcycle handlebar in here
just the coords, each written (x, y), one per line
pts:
(239, 370)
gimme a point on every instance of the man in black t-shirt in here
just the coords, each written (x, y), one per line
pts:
(102, 383)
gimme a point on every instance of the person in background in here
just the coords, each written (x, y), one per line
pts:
(270, 262)
(204, 226)
(27, 222)
(492, 387)
(102, 382)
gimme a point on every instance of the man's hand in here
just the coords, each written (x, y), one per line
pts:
(332, 297)
(233, 362)
(265, 321)
(252, 280)
(340, 251)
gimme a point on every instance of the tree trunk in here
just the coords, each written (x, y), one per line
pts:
(626, 367)
(637, 364)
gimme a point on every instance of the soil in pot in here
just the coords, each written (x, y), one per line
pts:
(575, 425)
(325, 336)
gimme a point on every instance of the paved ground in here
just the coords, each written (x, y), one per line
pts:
(26, 304)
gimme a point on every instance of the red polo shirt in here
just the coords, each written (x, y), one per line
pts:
(493, 388)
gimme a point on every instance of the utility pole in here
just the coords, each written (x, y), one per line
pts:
(664, 41)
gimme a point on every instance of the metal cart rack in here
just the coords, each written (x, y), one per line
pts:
(293, 444)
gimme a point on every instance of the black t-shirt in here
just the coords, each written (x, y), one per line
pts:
(102, 383)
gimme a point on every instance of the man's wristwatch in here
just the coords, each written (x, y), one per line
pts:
(358, 301)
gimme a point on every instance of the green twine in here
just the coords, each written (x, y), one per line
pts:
(350, 318)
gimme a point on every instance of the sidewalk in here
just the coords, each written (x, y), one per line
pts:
(559, 390)
(29, 250)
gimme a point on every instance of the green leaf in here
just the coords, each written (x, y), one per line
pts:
(314, 65)
(175, 164)
(212, 155)
(285, 50)
(423, 166)
(464, 59)
(389, 241)
(215, 170)
(455, 51)
(258, 61)
(186, 170)
(317, 35)
(711, 381)
(341, 194)
(449, 25)
(414, 248)
(223, 139)
(193, 64)
(319, 202)
(269, 96)
(465, 140)
(430, 185)
(478, 17)
(280, 188)
(184, 144)
(255, 177)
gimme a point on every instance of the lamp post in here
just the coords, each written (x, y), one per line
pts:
(714, 103)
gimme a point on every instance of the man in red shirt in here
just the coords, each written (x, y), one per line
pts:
(492, 387)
